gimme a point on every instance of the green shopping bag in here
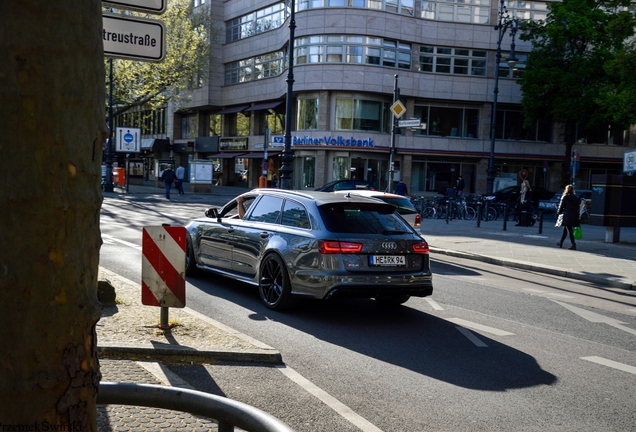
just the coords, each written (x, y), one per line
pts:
(578, 234)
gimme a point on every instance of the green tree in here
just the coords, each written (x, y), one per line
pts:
(189, 32)
(52, 118)
(578, 70)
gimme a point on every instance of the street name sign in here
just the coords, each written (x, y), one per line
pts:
(410, 123)
(128, 140)
(152, 6)
(134, 38)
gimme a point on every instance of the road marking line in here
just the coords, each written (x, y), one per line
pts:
(610, 363)
(471, 337)
(479, 327)
(333, 403)
(433, 304)
(561, 295)
(534, 290)
(164, 375)
(111, 238)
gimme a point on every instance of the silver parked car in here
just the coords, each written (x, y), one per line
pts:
(294, 244)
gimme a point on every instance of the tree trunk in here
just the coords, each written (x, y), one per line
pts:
(52, 123)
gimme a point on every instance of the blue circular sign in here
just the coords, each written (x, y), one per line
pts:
(128, 137)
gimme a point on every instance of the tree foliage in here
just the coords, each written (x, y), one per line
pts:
(579, 68)
(189, 32)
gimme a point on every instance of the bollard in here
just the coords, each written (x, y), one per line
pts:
(478, 214)
(448, 210)
(505, 216)
(540, 221)
(486, 211)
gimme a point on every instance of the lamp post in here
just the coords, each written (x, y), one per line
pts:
(108, 185)
(504, 23)
(287, 158)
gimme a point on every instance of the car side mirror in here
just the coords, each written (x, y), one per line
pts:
(212, 213)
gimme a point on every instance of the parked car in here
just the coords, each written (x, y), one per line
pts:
(404, 206)
(347, 184)
(509, 194)
(294, 244)
(552, 205)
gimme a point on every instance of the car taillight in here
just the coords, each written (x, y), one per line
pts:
(420, 247)
(418, 220)
(336, 247)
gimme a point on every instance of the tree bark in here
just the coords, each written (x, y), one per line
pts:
(52, 123)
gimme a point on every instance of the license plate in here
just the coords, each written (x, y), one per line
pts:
(388, 260)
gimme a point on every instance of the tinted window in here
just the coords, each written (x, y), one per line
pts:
(267, 210)
(295, 215)
(404, 206)
(362, 219)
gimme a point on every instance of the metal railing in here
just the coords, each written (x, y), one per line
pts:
(227, 412)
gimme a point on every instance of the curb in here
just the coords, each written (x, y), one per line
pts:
(153, 351)
(523, 265)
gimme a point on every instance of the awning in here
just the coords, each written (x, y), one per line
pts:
(261, 155)
(154, 144)
(224, 155)
(264, 106)
(234, 109)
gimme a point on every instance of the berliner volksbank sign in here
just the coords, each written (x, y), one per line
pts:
(325, 140)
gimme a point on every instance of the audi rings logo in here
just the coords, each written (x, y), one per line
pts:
(389, 245)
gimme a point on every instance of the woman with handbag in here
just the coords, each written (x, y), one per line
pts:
(568, 215)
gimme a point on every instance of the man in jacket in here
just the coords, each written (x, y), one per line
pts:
(167, 176)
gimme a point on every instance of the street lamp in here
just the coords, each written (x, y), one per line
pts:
(504, 23)
(287, 158)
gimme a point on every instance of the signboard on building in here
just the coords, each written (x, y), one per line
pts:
(150, 6)
(134, 38)
(629, 162)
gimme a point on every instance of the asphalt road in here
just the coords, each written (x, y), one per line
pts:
(492, 349)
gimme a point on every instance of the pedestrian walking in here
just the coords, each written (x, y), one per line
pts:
(168, 177)
(568, 215)
(459, 186)
(401, 189)
(180, 176)
(525, 204)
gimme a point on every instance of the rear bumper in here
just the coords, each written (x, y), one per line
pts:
(380, 290)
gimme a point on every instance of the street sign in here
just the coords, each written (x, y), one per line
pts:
(410, 123)
(163, 266)
(151, 6)
(128, 140)
(629, 162)
(398, 109)
(134, 38)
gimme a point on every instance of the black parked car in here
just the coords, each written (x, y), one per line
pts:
(509, 194)
(347, 184)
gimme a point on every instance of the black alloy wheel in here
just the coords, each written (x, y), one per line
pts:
(274, 286)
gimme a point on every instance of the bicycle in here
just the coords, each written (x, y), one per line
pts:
(486, 212)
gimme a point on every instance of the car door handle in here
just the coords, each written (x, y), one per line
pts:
(264, 234)
(230, 229)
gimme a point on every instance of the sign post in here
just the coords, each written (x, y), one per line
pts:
(163, 269)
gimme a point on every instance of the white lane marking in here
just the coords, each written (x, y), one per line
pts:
(534, 290)
(610, 363)
(433, 303)
(333, 403)
(113, 239)
(164, 375)
(560, 295)
(479, 327)
(597, 318)
(471, 337)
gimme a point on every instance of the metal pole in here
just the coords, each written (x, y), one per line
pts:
(396, 96)
(108, 186)
(287, 158)
(503, 24)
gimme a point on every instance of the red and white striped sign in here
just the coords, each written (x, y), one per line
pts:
(163, 266)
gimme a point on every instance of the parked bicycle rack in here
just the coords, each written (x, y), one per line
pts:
(228, 413)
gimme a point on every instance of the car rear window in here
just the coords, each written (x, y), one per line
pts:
(404, 206)
(355, 218)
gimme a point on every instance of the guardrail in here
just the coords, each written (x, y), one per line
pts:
(227, 412)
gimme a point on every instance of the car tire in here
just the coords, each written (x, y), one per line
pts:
(392, 300)
(191, 263)
(274, 286)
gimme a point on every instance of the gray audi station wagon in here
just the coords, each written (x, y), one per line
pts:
(295, 244)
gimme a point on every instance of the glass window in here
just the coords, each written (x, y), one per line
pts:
(466, 11)
(457, 61)
(356, 114)
(447, 121)
(267, 209)
(309, 172)
(307, 114)
(509, 126)
(362, 218)
(295, 215)
(257, 22)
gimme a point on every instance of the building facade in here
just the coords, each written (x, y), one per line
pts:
(349, 57)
